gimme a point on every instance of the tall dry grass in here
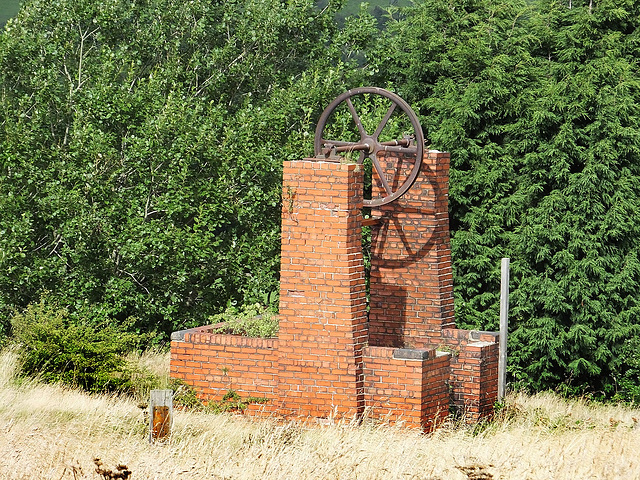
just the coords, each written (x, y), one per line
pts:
(50, 432)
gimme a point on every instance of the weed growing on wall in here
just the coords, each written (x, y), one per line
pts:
(252, 320)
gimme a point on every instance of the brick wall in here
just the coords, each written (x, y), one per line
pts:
(330, 360)
(412, 304)
(216, 363)
(474, 371)
(411, 276)
(406, 386)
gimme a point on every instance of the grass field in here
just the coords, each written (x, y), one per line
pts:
(49, 432)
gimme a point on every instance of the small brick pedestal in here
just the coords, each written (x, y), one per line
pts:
(405, 362)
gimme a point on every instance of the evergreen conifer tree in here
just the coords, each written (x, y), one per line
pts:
(538, 106)
(577, 242)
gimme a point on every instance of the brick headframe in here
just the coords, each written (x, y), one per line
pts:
(404, 360)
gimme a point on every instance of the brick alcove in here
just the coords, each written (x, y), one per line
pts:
(404, 360)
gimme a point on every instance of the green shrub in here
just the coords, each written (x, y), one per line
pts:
(186, 397)
(56, 347)
(252, 320)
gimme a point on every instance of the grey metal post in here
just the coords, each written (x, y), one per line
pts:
(160, 414)
(504, 328)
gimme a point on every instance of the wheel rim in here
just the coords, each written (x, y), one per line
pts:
(369, 145)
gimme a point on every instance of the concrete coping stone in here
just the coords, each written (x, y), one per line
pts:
(480, 344)
(412, 354)
(477, 334)
(178, 336)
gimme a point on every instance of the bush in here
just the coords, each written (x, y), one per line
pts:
(56, 347)
(250, 320)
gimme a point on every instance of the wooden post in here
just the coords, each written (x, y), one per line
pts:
(504, 328)
(160, 414)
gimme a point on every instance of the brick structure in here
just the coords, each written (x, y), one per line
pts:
(323, 310)
(405, 361)
(411, 276)
(411, 291)
(407, 385)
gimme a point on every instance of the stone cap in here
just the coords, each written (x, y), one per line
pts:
(413, 354)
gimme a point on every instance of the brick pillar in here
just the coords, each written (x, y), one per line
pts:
(408, 386)
(474, 371)
(411, 276)
(322, 294)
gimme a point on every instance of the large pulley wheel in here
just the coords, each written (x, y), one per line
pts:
(373, 141)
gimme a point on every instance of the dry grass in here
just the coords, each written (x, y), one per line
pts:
(48, 432)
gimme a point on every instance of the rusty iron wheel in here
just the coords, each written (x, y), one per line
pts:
(410, 146)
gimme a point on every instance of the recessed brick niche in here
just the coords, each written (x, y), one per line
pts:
(404, 360)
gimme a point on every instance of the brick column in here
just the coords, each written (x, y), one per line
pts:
(322, 294)
(474, 371)
(408, 386)
(411, 276)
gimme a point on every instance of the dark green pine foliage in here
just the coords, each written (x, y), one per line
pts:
(538, 106)
(467, 66)
(577, 320)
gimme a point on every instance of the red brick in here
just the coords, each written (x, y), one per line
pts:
(319, 360)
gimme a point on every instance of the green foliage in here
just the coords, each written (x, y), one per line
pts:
(538, 106)
(185, 396)
(57, 348)
(141, 147)
(464, 67)
(233, 402)
(582, 187)
(250, 320)
(627, 388)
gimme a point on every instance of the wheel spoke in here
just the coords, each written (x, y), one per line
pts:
(384, 121)
(356, 118)
(381, 175)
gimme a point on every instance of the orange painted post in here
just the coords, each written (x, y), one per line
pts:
(160, 414)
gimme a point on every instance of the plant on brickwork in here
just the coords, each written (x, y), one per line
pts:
(232, 402)
(253, 320)
(185, 397)
(454, 352)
